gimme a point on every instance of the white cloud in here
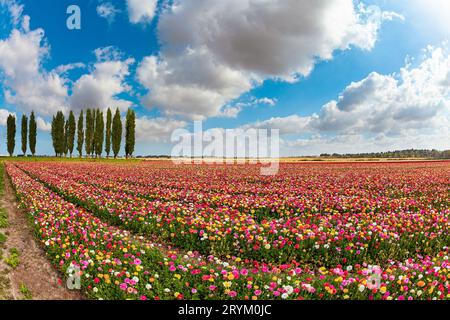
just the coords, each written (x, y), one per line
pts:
(15, 9)
(268, 101)
(287, 125)
(156, 129)
(4, 116)
(28, 86)
(107, 11)
(100, 88)
(25, 83)
(408, 109)
(213, 51)
(43, 125)
(141, 11)
(63, 69)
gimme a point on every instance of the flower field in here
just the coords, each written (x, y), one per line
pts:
(153, 230)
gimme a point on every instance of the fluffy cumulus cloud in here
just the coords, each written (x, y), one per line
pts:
(43, 125)
(100, 88)
(26, 83)
(107, 11)
(156, 129)
(4, 116)
(409, 108)
(141, 11)
(213, 51)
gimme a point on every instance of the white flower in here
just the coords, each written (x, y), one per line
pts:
(95, 290)
(361, 288)
(289, 289)
(148, 286)
(284, 296)
(136, 279)
(349, 268)
(267, 246)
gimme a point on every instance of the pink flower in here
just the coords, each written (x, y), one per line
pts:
(123, 286)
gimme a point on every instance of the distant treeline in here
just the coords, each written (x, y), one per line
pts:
(399, 154)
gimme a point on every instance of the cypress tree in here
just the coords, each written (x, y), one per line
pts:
(130, 133)
(66, 138)
(99, 133)
(108, 132)
(11, 134)
(116, 133)
(71, 133)
(94, 116)
(24, 132)
(89, 132)
(33, 134)
(53, 134)
(58, 135)
(80, 134)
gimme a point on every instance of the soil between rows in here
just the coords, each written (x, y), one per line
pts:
(34, 271)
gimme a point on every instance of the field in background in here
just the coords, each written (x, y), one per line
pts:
(153, 230)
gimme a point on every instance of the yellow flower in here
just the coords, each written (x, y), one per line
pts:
(227, 284)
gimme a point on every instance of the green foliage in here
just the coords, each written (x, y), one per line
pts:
(89, 132)
(24, 133)
(26, 293)
(108, 132)
(33, 134)
(66, 137)
(2, 239)
(71, 133)
(13, 260)
(80, 134)
(399, 154)
(11, 134)
(3, 219)
(130, 133)
(99, 132)
(94, 115)
(58, 134)
(116, 133)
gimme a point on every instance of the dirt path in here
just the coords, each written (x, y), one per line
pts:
(34, 277)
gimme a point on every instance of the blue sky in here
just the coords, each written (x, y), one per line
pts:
(370, 76)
